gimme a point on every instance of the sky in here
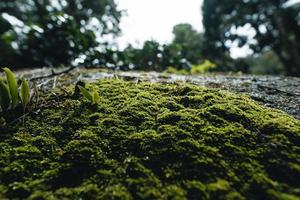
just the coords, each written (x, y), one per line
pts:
(155, 19)
(293, 1)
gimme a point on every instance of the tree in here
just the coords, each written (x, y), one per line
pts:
(7, 52)
(276, 25)
(55, 32)
(148, 58)
(265, 63)
(152, 57)
(173, 57)
(190, 41)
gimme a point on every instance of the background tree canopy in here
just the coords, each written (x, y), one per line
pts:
(276, 25)
(184, 50)
(39, 33)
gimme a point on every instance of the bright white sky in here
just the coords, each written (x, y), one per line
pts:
(155, 19)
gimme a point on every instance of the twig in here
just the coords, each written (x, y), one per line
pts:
(44, 83)
(53, 74)
(54, 82)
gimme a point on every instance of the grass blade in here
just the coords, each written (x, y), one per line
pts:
(13, 86)
(36, 94)
(96, 97)
(25, 93)
(4, 95)
(86, 93)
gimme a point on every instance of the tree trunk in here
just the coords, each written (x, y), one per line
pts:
(288, 44)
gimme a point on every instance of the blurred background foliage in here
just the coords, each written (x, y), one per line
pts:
(276, 27)
(37, 33)
(53, 33)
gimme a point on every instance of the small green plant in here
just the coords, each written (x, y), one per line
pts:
(36, 95)
(10, 95)
(24, 93)
(13, 100)
(93, 96)
(13, 86)
(4, 95)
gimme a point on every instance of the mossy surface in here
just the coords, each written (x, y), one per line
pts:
(151, 141)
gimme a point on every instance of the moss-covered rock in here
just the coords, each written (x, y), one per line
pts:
(151, 141)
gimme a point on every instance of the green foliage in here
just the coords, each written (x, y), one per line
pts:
(184, 50)
(265, 63)
(151, 141)
(148, 58)
(205, 67)
(86, 93)
(36, 94)
(54, 33)
(4, 95)
(10, 95)
(25, 93)
(13, 86)
(96, 96)
(191, 42)
(93, 96)
(275, 24)
(173, 70)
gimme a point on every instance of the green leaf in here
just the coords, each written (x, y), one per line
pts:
(86, 93)
(96, 97)
(4, 95)
(13, 86)
(25, 93)
(36, 94)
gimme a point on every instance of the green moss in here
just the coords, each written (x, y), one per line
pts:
(151, 141)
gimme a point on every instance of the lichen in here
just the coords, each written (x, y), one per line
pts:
(151, 141)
